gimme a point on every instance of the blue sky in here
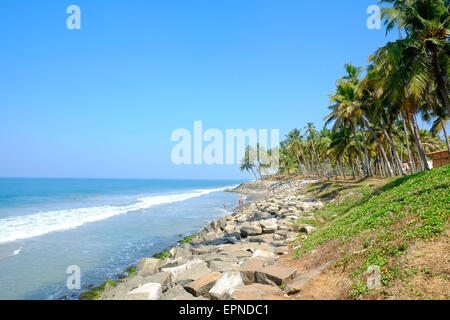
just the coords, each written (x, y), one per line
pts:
(102, 101)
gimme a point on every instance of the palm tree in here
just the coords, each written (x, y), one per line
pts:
(295, 145)
(247, 163)
(426, 24)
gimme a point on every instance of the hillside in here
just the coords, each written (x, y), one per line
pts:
(400, 225)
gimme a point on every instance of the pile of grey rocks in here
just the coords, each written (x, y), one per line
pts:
(235, 257)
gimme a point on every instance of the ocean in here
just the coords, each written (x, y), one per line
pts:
(101, 226)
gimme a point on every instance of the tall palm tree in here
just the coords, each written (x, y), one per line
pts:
(426, 24)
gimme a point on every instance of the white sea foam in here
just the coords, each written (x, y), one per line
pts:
(28, 226)
(16, 252)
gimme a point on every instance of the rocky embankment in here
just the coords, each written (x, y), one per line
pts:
(235, 257)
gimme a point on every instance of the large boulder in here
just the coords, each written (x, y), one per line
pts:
(307, 229)
(178, 252)
(229, 228)
(275, 275)
(273, 209)
(263, 254)
(224, 287)
(249, 268)
(202, 285)
(193, 272)
(269, 225)
(177, 293)
(222, 266)
(163, 278)
(251, 230)
(174, 271)
(148, 266)
(148, 291)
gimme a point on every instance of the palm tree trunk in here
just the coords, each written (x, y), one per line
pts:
(351, 164)
(366, 154)
(341, 169)
(358, 147)
(307, 166)
(254, 174)
(380, 146)
(416, 135)
(315, 157)
(410, 160)
(391, 143)
(444, 129)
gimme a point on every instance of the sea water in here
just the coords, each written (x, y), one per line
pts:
(101, 226)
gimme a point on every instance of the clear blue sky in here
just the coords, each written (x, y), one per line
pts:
(103, 101)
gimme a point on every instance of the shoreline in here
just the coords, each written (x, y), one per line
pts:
(255, 235)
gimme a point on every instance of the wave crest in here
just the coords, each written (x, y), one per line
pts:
(24, 227)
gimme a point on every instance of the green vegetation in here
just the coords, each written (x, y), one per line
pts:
(383, 220)
(130, 270)
(161, 255)
(95, 292)
(188, 238)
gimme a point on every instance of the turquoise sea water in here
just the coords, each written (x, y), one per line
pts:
(100, 225)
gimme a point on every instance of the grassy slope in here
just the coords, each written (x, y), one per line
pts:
(382, 220)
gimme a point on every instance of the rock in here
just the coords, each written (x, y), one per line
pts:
(232, 240)
(224, 287)
(149, 291)
(202, 285)
(168, 263)
(296, 285)
(210, 236)
(249, 268)
(192, 273)
(229, 228)
(252, 230)
(263, 254)
(282, 234)
(203, 249)
(275, 275)
(175, 270)
(236, 235)
(269, 225)
(222, 266)
(163, 278)
(148, 266)
(177, 293)
(256, 291)
(281, 250)
(278, 237)
(307, 229)
(261, 215)
(242, 218)
(132, 282)
(178, 252)
(273, 209)
(281, 212)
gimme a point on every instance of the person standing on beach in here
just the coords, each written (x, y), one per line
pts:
(225, 206)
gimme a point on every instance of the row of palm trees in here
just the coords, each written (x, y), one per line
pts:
(374, 119)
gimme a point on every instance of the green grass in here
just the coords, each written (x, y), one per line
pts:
(161, 255)
(95, 292)
(385, 219)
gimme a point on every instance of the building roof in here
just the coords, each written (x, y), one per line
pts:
(435, 152)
